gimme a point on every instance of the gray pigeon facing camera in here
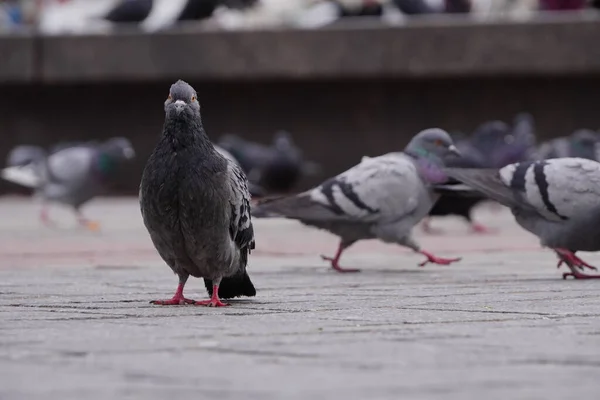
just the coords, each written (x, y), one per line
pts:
(196, 206)
(558, 200)
(380, 198)
(71, 175)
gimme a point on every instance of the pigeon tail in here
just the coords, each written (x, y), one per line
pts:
(300, 207)
(456, 189)
(233, 286)
(22, 175)
(488, 182)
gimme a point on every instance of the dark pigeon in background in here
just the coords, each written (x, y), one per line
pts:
(414, 7)
(380, 198)
(557, 200)
(455, 204)
(493, 144)
(562, 5)
(130, 11)
(457, 6)
(276, 168)
(196, 205)
(71, 176)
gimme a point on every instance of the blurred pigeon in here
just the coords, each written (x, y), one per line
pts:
(455, 204)
(457, 6)
(493, 145)
(562, 5)
(582, 143)
(276, 168)
(414, 7)
(130, 11)
(524, 129)
(553, 199)
(382, 197)
(71, 176)
(196, 206)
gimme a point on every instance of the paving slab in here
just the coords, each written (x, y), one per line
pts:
(75, 322)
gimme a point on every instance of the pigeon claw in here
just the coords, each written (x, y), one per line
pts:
(211, 303)
(335, 265)
(175, 301)
(436, 260)
(214, 299)
(578, 275)
(92, 225)
(568, 257)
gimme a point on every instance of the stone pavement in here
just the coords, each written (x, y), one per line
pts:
(75, 322)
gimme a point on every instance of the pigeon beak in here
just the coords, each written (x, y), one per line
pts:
(179, 106)
(128, 152)
(452, 149)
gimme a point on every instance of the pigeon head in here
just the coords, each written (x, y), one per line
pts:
(434, 144)
(182, 101)
(119, 148)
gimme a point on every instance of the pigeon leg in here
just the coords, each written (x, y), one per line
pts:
(574, 262)
(86, 223)
(427, 228)
(45, 217)
(214, 299)
(336, 259)
(479, 228)
(178, 298)
(436, 260)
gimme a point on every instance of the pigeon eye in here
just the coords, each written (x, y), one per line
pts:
(438, 142)
(193, 98)
(170, 97)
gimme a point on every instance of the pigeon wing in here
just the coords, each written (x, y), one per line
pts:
(378, 189)
(240, 226)
(72, 164)
(557, 189)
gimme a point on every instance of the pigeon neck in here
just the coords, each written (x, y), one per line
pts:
(429, 165)
(186, 134)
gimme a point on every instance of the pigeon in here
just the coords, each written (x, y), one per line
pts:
(581, 143)
(276, 168)
(381, 198)
(195, 205)
(71, 176)
(556, 200)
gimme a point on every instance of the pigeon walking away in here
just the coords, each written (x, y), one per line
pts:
(553, 199)
(71, 176)
(196, 205)
(380, 198)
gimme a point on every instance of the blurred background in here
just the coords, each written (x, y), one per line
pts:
(299, 90)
